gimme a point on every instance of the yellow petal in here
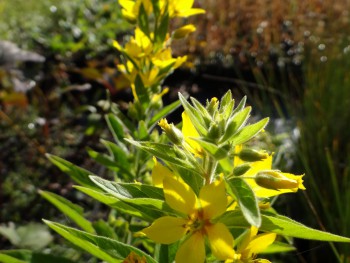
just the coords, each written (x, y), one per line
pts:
(221, 241)
(179, 196)
(192, 250)
(166, 230)
(159, 172)
(188, 130)
(213, 199)
(191, 12)
(260, 243)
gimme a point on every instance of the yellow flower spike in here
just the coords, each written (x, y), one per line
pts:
(188, 130)
(196, 224)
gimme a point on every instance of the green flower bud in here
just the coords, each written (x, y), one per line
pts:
(250, 155)
(241, 169)
(276, 180)
(173, 133)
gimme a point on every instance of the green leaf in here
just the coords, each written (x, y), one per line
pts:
(162, 30)
(249, 131)
(143, 20)
(240, 106)
(246, 199)
(118, 204)
(142, 133)
(115, 126)
(163, 112)
(103, 159)
(73, 211)
(79, 175)
(218, 151)
(199, 107)
(122, 193)
(168, 153)
(281, 225)
(9, 259)
(101, 247)
(235, 123)
(194, 115)
(278, 247)
(119, 155)
(144, 191)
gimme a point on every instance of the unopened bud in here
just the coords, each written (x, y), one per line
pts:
(241, 169)
(173, 133)
(213, 105)
(184, 31)
(276, 180)
(250, 155)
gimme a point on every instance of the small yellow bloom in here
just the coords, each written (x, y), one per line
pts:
(196, 224)
(183, 8)
(251, 245)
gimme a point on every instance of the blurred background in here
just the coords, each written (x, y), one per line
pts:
(57, 65)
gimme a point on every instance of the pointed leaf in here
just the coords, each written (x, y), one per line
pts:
(249, 132)
(235, 123)
(163, 112)
(71, 210)
(79, 175)
(101, 247)
(218, 151)
(194, 115)
(119, 204)
(246, 199)
(281, 225)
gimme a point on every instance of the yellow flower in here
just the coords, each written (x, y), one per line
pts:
(188, 130)
(183, 8)
(267, 183)
(196, 223)
(253, 244)
(130, 9)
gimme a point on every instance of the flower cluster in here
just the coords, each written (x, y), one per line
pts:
(198, 215)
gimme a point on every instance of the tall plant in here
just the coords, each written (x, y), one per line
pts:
(206, 196)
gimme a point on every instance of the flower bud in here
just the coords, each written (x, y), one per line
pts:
(173, 133)
(183, 31)
(276, 180)
(250, 155)
(241, 169)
